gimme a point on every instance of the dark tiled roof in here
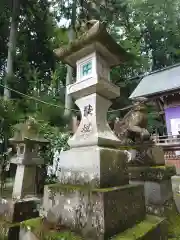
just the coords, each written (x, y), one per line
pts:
(159, 82)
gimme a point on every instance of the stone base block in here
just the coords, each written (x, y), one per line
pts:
(97, 166)
(176, 190)
(14, 212)
(156, 193)
(18, 210)
(155, 173)
(95, 213)
(151, 228)
(146, 155)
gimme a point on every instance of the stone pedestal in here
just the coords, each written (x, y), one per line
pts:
(96, 213)
(157, 186)
(95, 166)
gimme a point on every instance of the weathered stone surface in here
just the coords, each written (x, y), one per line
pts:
(12, 213)
(158, 155)
(93, 129)
(176, 190)
(104, 88)
(25, 181)
(27, 235)
(146, 155)
(96, 213)
(19, 210)
(156, 193)
(151, 228)
(156, 174)
(37, 229)
(97, 166)
(162, 210)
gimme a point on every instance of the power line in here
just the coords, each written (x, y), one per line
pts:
(37, 99)
(71, 109)
(54, 105)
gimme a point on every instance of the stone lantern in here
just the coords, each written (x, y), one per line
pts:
(93, 56)
(28, 144)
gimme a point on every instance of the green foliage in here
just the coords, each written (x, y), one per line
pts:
(8, 116)
(148, 29)
(57, 141)
(40, 229)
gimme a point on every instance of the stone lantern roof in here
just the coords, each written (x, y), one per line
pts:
(96, 38)
(28, 131)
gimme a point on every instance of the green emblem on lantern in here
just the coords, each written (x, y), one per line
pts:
(86, 69)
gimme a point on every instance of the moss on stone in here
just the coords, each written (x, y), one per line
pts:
(4, 228)
(140, 230)
(37, 227)
(33, 223)
(68, 235)
(155, 173)
(68, 187)
(84, 188)
(173, 220)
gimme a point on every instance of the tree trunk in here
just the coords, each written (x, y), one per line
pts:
(11, 46)
(69, 75)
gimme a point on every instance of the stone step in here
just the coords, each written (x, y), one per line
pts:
(151, 228)
(104, 211)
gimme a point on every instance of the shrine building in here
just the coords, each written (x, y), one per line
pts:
(163, 88)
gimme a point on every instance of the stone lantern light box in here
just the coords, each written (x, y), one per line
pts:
(91, 67)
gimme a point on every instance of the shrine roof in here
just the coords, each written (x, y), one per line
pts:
(96, 35)
(158, 83)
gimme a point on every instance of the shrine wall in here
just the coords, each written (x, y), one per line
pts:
(172, 116)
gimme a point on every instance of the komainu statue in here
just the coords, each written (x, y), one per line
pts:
(133, 127)
(132, 130)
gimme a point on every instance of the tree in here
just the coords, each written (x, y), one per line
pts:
(11, 46)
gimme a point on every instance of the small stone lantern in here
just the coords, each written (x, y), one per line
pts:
(28, 144)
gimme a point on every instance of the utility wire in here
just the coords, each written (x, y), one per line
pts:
(54, 105)
(110, 111)
(59, 106)
(37, 99)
